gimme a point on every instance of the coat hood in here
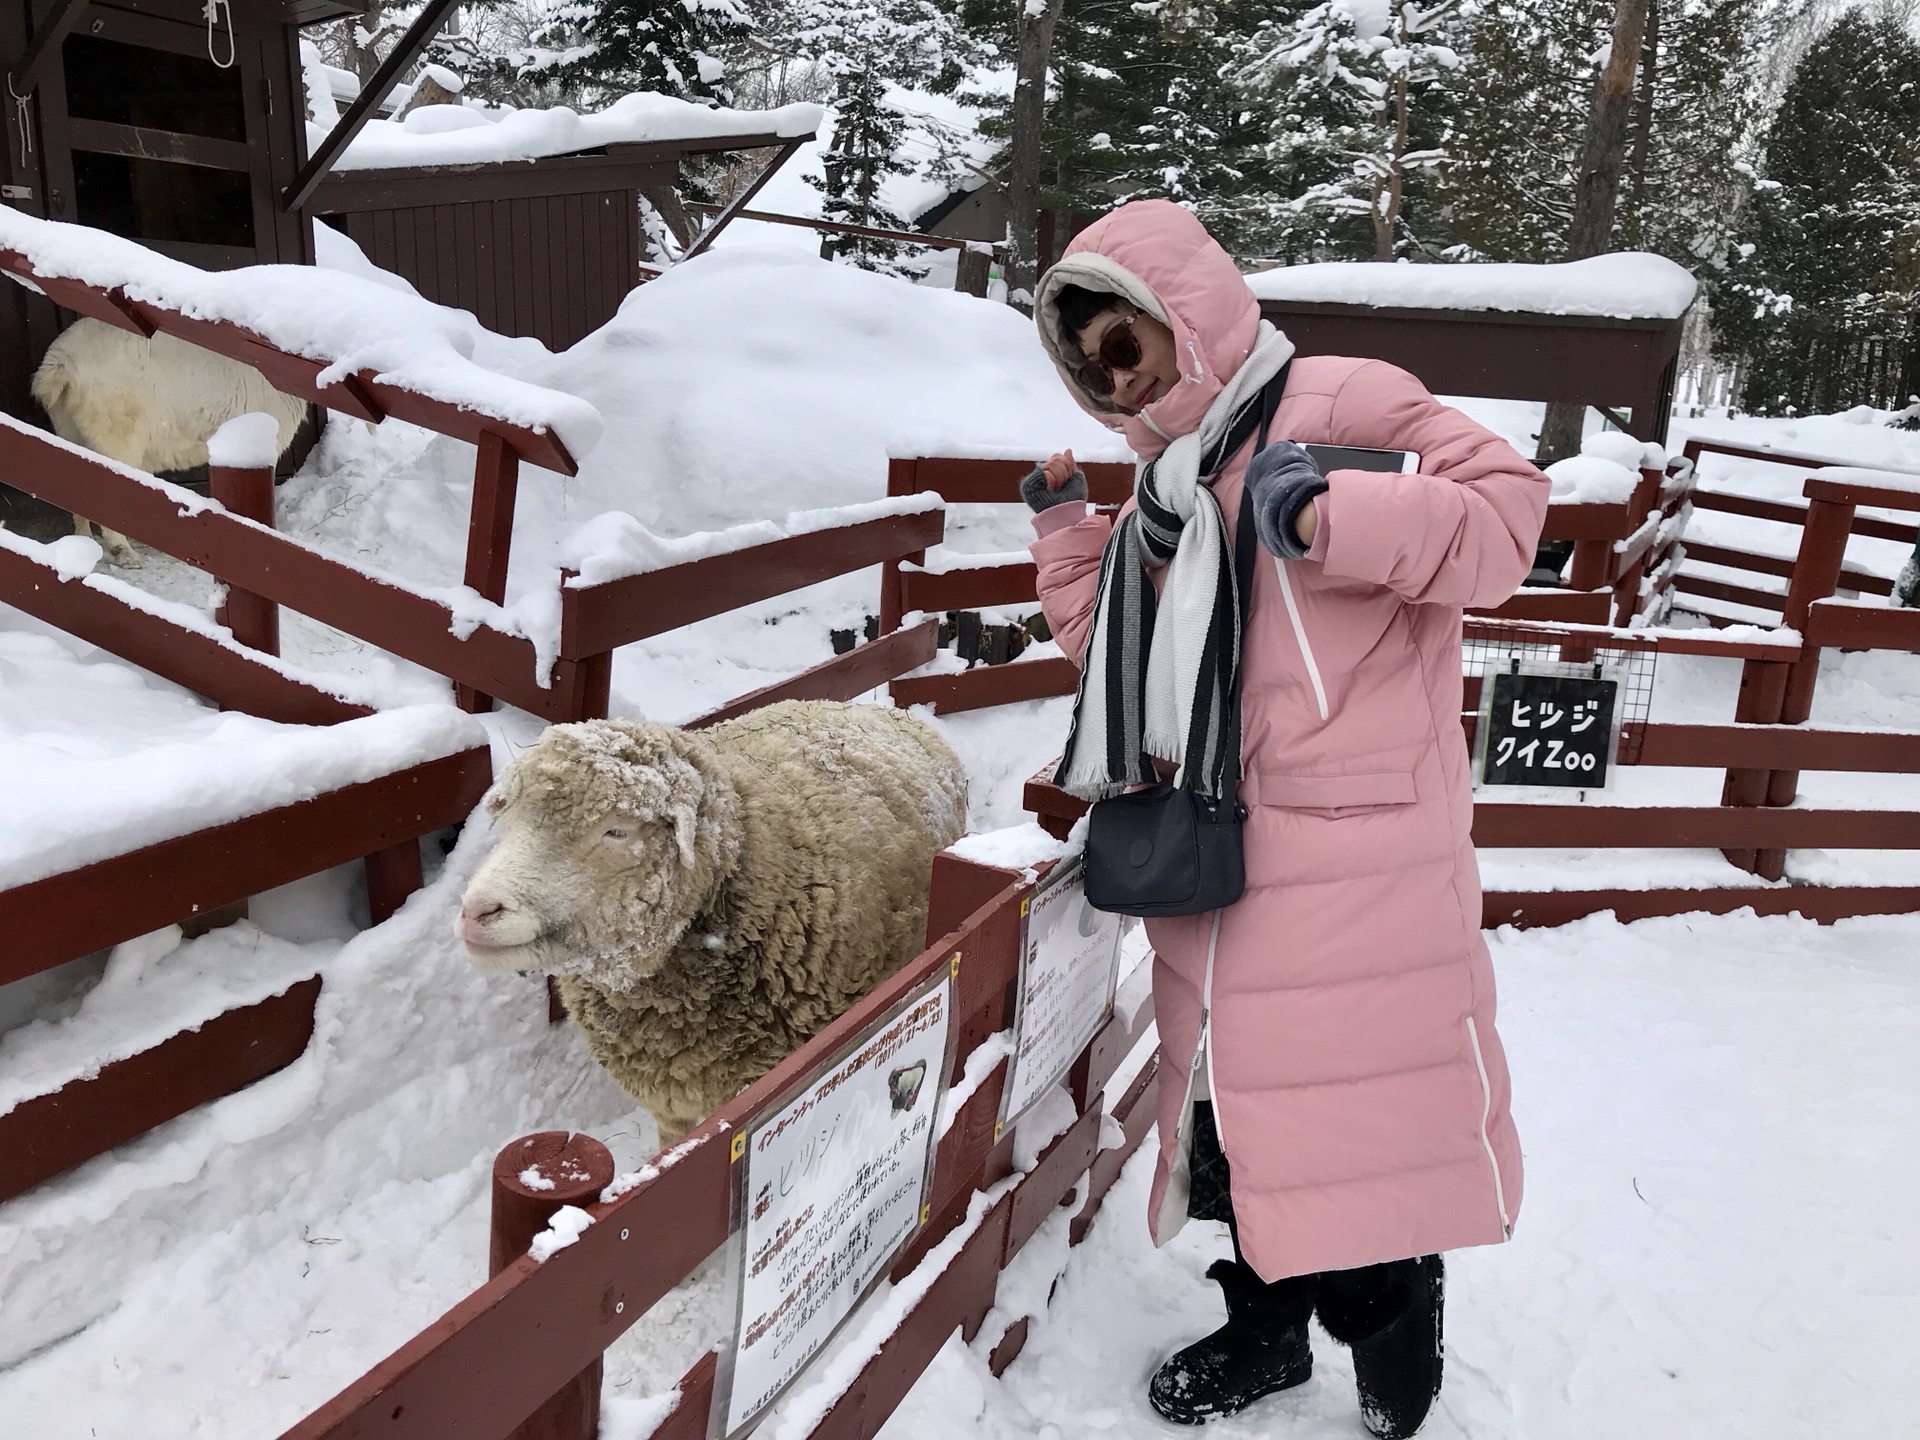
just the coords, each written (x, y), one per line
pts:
(1160, 258)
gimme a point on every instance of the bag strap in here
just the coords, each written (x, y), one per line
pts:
(1245, 547)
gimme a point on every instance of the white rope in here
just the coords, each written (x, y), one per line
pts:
(212, 10)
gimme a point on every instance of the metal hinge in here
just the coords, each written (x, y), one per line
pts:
(16, 192)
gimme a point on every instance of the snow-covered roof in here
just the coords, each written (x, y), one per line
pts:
(468, 135)
(1631, 285)
(352, 323)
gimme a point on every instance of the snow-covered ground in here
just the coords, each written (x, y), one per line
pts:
(1716, 1238)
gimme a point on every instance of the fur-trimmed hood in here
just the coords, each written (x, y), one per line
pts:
(1160, 258)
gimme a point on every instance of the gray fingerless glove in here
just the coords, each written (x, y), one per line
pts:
(1034, 490)
(1282, 478)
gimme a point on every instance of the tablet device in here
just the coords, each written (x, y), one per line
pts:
(1354, 457)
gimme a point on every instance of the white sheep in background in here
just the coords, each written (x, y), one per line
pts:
(712, 899)
(149, 403)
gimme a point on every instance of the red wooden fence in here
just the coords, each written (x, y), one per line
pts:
(1756, 752)
(1763, 596)
(514, 1347)
(1624, 558)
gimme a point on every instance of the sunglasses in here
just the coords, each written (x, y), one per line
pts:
(1119, 350)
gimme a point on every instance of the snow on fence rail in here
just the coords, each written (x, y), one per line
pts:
(528, 1341)
(464, 633)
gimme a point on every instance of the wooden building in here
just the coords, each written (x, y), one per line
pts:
(546, 247)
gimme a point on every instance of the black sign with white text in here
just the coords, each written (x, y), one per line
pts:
(1547, 729)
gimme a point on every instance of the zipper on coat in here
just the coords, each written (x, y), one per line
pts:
(1206, 1034)
(1486, 1112)
(1300, 634)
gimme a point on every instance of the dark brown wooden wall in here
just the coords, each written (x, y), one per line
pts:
(555, 267)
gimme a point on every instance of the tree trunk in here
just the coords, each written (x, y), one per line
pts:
(1029, 114)
(1634, 232)
(1595, 189)
(366, 58)
(666, 203)
(1386, 217)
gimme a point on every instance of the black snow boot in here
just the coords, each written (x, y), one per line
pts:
(1262, 1348)
(1390, 1315)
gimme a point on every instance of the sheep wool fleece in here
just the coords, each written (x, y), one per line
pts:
(839, 811)
(1359, 1087)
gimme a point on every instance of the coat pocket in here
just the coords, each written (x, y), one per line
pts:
(1336, 794)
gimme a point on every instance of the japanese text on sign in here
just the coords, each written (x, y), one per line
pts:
(833, 1186)
(1547, 728)
(1069, 962)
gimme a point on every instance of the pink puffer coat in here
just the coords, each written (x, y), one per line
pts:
(1360, 1090)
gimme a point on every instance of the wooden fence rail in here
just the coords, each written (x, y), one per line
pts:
(1767, 597)
(1750, 825)
(1622, 569)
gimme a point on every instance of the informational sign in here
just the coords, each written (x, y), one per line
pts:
(1547, 725)
(832, 1186)
(1069, 964)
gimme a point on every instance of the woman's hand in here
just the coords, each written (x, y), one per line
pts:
(1307, 523)
(1056, 482)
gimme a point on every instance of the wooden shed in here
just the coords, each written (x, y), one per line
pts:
(142, 118)
(1603, 332)
(547, 247)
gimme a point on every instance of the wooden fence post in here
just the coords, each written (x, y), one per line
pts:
(496, 483)
(532, 1178)
(1816, 575)
(253, 619)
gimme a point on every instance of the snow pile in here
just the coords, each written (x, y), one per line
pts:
(1623, 449)
(1591, 480)
(468, 135)
(321, 314)
(98, 758)
(246, 442)
(1629, 285)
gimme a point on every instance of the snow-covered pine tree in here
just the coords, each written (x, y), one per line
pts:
(866, 46)
(1521, 114)
(1821, 294)
(1205, 139)
(588, 52)
(1380, 69)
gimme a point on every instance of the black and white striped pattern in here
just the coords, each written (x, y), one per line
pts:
(1158, 674)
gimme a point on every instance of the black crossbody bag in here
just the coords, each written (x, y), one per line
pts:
(1169, 850)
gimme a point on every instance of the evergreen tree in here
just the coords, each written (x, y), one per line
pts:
(1820, 295)
(866, 46)
(1372, 122)
(589, 52)
(1522, 109)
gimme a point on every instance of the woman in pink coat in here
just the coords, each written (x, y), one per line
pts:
(1347, 1113)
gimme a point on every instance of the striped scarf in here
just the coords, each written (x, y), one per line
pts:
(1154, 685)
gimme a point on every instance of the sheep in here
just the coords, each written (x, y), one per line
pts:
(149, 402)
(709, 900)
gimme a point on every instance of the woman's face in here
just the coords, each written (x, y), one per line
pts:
(1159, 368)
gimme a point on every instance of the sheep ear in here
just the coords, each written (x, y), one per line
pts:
(686, 822)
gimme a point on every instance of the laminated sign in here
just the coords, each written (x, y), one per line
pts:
(1069, 964)
(830, 1187)
(1548, 725)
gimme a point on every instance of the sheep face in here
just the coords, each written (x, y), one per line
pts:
(612, 839)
